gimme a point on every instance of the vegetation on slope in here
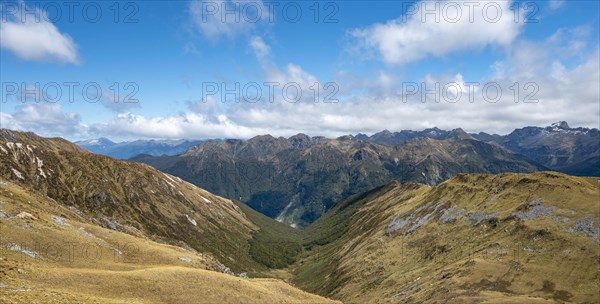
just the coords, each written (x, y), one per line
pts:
(54, 254)
(473, 238)
(469, 239)
(274, 244)
(296, 180)
(131, 197)
(334, 224)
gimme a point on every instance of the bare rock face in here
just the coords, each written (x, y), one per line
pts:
(25, 215)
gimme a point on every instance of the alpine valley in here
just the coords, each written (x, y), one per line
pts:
(407, 217)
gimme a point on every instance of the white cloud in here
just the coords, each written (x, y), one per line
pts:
(260, 48)
(35, 38)
(459, 27)
(370, 103)
(290, 74)
(374, 102)
(47, 119)
(186, 125)
(229, 18)
(565, 93)
(38, 94)
(565, 74)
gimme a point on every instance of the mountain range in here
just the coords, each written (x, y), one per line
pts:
(297, 179)
(129, 149)
(573, 151)
(77, 226)
(559, 147)
(314, 172)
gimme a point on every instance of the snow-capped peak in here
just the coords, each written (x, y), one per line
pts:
(560, 125)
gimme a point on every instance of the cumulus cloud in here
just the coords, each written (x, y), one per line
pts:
(370, 103)
(563, 69)
(56, 93)
(565, 93)
(459, 26)
(185, 125)
(35, 38)
(289, 75)
(47, 119)
(537, 88)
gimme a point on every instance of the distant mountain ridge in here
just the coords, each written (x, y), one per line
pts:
(559, 147)
(296, 179)
(129, 149)
(388, 138)
(569, 150)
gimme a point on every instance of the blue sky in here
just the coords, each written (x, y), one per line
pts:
(372, 52)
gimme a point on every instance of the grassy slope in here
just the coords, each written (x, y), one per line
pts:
(83, 262)
(316, 270)
(135, 197)
(483, 252)
(349, 256)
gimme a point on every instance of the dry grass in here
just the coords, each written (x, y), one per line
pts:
(82, 262)
(502, 259)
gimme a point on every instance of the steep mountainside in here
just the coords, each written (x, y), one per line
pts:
(296, 180)
(570, 150)
(129, 149)
(52, 253)
(507, 238)
(134, 198)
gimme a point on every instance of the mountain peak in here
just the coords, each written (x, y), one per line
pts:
(561, 125)
(361, 136)
(96, 142)
(384, 132)
(346, 137)
(262, 138)
(459, 134)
